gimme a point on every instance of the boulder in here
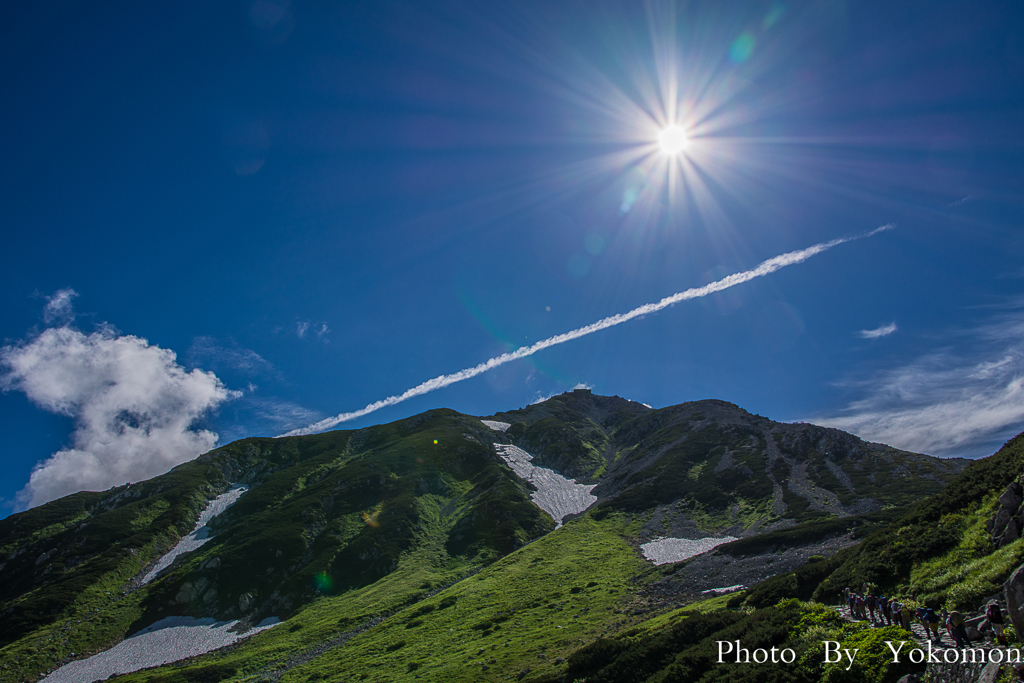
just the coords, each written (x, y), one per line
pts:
(1003, 516)
(990, 673)
(973, 634)
(1010, 534)
(1011, 497)
(1013, 590)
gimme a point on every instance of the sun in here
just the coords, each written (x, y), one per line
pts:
(672, 140)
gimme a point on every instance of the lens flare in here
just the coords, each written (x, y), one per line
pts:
(672, 140)
(323, 582)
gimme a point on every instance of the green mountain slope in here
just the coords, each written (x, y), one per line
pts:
(413, 545)
(711, 465)
(954, 550)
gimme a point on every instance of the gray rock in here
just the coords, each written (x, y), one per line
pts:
(1010, 500)
(999, 522)
(245, 602)
(1010, 534)
(45, 557)
(990, 673)
(973, 634)
(184, 595)
(1013, 590)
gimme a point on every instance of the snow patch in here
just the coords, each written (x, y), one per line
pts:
(200, 535)
(497, 426)
(168, 640)
(724, 589)
(665, 550)
(555, 494)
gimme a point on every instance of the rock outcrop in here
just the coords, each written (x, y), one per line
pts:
(1013, 590)
(1008, 522)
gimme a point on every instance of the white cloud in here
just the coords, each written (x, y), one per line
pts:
(58, 307)
(276, 414)
(303, 327)
(213, 354)
(879, 331)
(133, 405)
(962, 402)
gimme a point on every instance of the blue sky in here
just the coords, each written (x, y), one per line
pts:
(232, 219)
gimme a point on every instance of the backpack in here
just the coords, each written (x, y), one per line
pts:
(994, 614)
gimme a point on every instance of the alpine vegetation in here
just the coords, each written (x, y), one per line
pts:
(422, 550)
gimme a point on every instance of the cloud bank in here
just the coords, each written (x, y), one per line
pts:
(879, 331)
(946, 403)
(765, 268)
(134, 407)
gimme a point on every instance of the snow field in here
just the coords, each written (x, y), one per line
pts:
(200, 535)
(555, 494)
(665, 550)
(168, 640)
(497, 426)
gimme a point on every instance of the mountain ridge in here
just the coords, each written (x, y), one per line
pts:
(419, 505)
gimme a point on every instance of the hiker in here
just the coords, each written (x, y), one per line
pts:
(947, 623)
(860, 606)
(958, 629)
(931, 619)
(851, 599)
(871, 607)
(905, 618)
(995, 618)
(886, 606)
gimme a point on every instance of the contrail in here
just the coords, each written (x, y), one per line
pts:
(766, 268)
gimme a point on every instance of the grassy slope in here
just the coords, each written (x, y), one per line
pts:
(350, 511)
(939, 552)
(524, 611)
(683, 646)
(74, 603)
(939, 534)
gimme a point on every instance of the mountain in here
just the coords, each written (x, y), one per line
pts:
(959, 549)
(427, 547)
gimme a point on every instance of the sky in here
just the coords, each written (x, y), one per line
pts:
(260, 217)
